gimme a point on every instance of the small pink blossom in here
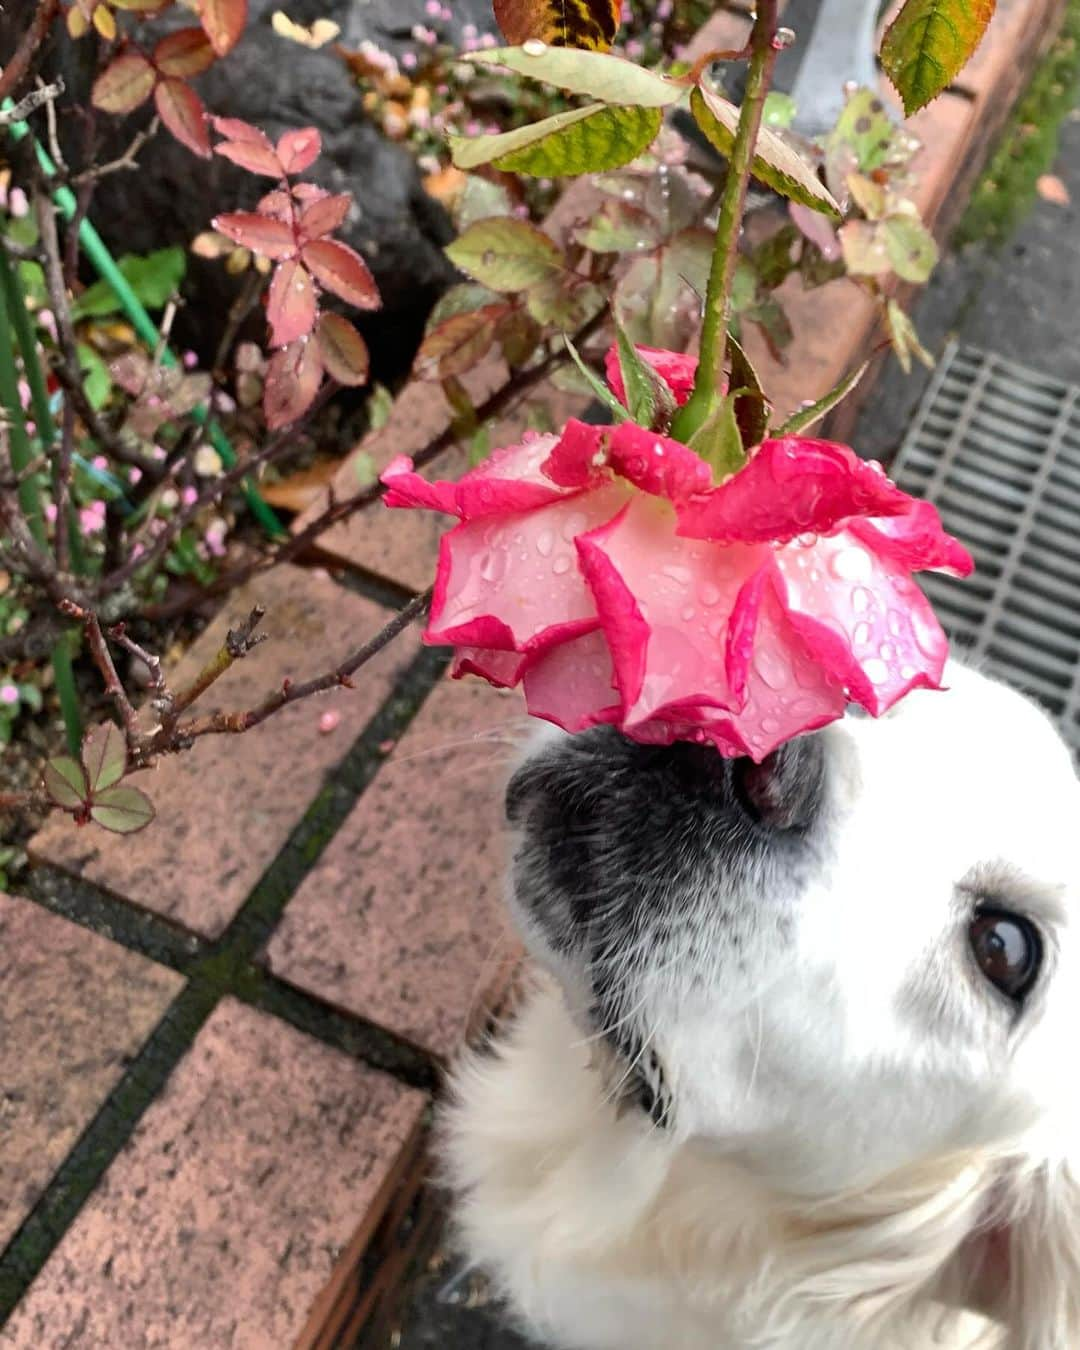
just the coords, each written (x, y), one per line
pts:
(214, 538)
(92, 518)
(189, 496)
(8, 693)
(329, 721)
(433, 9)
(100, 462)
(605, 572)
(409, 60)
(190, 360)
(50, 512)
(470, 31)
(17, 203)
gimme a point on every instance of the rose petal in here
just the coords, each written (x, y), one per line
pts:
(573, 685)
(863, 619)
(669, 650)
(657, 464)
(512, 583)
(508, 481)
(674, 368)
(575, 461)
(790, 487)
(915, 540)
(502, 669)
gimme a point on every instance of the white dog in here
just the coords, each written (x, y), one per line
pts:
(802, 1073)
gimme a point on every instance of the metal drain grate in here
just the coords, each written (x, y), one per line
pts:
(996, 447)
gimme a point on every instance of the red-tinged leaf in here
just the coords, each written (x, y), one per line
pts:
(290, 304)
(342, 271)
(251, 156)
(298, 150)
(278, 204)
(65, 782)
(181, 109)
(104, 755)
(324, 215)
(929, 43)
(344, 352)
(236, 129)
(308, 192)
(184, 53)
(584, 23)
(262, 234)
(293, 378)
(458, 343)
(123, 809)
(224, 21)
(124, 84)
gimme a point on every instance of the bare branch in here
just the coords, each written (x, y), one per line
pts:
(44, 96)
(128, 160)
(114, 687)
(18, 67)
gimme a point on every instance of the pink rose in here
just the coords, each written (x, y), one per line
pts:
(606, 573)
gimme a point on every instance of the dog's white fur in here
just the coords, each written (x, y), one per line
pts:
(866, 1141)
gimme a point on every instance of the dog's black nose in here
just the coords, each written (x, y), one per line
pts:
(785, 789)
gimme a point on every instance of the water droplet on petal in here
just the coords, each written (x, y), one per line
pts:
(770, 726)
(877, 672)
(493, 566)
(861, 599)
(770, 668)
(851, 564)
(687, 614)
(886, 651)
(561, 565)
(710, 594)
(895, 622)
(680, 575)
(573, 526)
(545, 543)
(534, 47)
(863, 633)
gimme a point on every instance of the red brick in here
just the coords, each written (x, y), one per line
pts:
(75, 1008)
(223, 1217)
(227, 805)
(402, 919)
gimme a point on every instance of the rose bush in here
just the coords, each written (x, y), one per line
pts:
(605, 572)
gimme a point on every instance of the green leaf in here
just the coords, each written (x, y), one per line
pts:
(928, 44)
(658, 300)
(481, 198)
(583, 140)
(775, 162)
(751, 406)
(904, 339)
(648, 397)
(865, 253)
(779, 111)
(123, 810)
(97, 381)
(867, 128)
(104, 756)
(618, 227)
(911, 248)
(458, 343)
(505, 254)
(870, 197)
(566, 301)
(597, 386)
(718, 441)
(806, 417)
(460, 299)
(65, 782)
(608, 79)
(155, 279)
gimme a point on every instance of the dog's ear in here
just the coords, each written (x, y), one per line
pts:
(1021, 1266)
(1039, 1300)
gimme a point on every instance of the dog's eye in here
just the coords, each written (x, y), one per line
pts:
(1008, 951)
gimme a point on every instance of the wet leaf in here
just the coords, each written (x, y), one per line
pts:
(582, 140)
(866, 129)
(262, 234)
(569, 23)
(251, 156)
(344, 352)
(224, 22)
(290, 303)
(648, 397)
(458, 343)
(123, 810)
(718, 441)
(868, 196)
(181, 109)
(480, 198)
(775, 162)
(928, 44)
(324, 215)
(751, 407)
(184, 53)
(865, 252)
(506, 254)
(910, 247)
(596, 386)
(104, 754)
(607, 79)
(779, 111)
(619, 227)
(459, 299)
(343, 271)
(658, 300)
(293, 378)
(565, 301)
(65, 782)
(298, 150)
(125, 83)
(806, 417)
